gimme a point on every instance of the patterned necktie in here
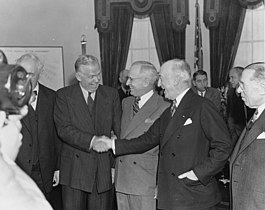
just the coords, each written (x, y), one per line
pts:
(90, 102)
(136, 107)
(173, 107)
(201, 93)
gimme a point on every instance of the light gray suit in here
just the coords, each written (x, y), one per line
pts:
(247, 168)
(136, 173)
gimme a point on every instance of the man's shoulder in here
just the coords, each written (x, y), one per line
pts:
(106, 88)
(67, 89)
(213, 90)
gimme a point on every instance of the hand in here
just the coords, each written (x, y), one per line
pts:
(102, 144)
(10, 136)
(190, 175)
(56, 178)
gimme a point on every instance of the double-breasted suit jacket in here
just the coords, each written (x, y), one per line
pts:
(136, 173)
(195, 138)
(47, 138)
(80, 166)
(247, 168)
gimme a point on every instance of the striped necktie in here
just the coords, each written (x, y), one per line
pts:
(136, 107)
(173, 107)
(253, 119)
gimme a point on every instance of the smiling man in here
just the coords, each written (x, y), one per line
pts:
(83, 112)
(136, 174)
(194, 144)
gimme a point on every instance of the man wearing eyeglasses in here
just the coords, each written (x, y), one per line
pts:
(83, 112)
(136, 174)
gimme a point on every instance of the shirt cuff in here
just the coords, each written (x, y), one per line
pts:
(113, 146)
(91, 143)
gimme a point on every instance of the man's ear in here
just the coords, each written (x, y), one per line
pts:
(77, 76)
(193, 82)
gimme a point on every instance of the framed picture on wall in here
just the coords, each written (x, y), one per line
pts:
(51, 57)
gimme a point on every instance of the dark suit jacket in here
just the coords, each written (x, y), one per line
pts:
(213, 95)
(195, 138)
(247, 168)
(80, 166)
(47, 138)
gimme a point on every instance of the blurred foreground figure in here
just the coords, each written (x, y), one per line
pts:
(17, 191)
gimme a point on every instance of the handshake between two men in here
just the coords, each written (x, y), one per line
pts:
(102, 143)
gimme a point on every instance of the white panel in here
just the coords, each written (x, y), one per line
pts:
(258, 52)
(154, 59)
(129, 60)
(139, 34)
(244, 55)
(140, 55)
(258, 24)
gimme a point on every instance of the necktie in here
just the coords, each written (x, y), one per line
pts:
(136, 107)
(173, 107)
(253, 119)
(90, 102)
(201, 93)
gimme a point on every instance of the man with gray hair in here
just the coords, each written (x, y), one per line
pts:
(194, 144)
(38, 153)
(247, 167)
(136, 174)
(84, 111)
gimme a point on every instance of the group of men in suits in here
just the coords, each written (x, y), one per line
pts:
(174, 150)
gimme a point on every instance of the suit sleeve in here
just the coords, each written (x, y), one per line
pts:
(141, 144)
(217, 99)
(220, 146)
(66, 131)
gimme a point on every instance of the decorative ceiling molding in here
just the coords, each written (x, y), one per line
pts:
(179, 10)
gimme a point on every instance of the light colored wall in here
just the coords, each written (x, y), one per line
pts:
(62, 22)
(50, 23)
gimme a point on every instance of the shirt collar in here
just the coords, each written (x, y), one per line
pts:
(36, 89)
(144, 98)
(180, 96)
(260, 109)
(85, 93)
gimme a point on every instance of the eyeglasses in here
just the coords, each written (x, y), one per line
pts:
(130, 78)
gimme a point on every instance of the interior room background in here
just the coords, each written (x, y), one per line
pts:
(62, 22)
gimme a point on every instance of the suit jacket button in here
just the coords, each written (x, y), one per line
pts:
(161, 154)
(29, 161)
(77, 155)
(173, 154)
(30, 145)
(134, 162)
(173, 174)
(120, 161)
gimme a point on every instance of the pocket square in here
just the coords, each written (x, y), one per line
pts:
(188, 121)
(261, 136)
(148, 120)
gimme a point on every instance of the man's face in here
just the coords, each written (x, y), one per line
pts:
(250, 90)
(167, 82)
(201, 82)
(136, 82)
(234, 78)
(89, 77)
(31, 67)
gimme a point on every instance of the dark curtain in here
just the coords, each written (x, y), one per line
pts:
(169, 42)
(114, 45)
(224, 40)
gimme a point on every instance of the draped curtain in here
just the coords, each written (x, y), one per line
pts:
(224, 40)
(170, 43)
(114, 44)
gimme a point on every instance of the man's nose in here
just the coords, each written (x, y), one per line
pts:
(159, 82)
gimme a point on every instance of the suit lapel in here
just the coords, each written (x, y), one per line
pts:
(78, 100)
(149, 107)
(181, 115)
(253, 133)
(101, 103)
(42, 107)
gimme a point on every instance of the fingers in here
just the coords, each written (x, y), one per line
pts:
(101, 144)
